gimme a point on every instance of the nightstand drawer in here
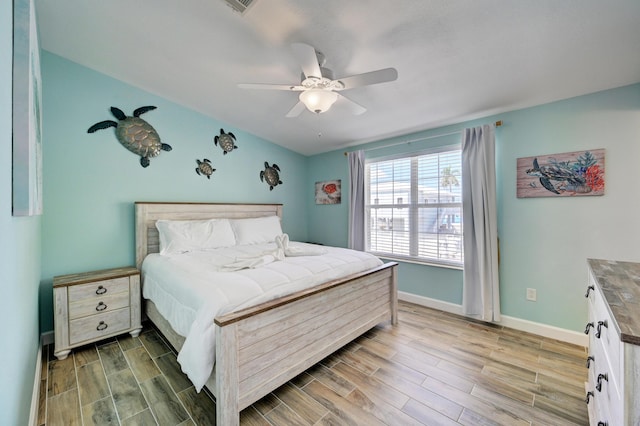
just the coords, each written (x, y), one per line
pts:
(90, 306)
(98, 289)
(98, 305)
(98, 326)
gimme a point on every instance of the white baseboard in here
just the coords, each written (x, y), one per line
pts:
(544, 330)
(562, 334)
(35, 396)
(440, 305)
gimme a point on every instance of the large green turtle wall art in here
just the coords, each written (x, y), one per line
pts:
(135, 134)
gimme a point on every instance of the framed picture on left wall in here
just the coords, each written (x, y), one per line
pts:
(27, 112)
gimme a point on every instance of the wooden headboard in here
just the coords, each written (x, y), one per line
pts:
(147, 239)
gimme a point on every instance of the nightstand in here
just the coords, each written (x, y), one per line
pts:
(95, 305)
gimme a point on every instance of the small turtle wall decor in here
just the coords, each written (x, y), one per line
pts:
(204, 168)
(271, 175)
(227, 141)
(135, 134)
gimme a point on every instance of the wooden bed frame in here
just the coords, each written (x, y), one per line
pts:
(262, 347)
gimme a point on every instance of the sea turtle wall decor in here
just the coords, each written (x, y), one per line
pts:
(271, 175)
(227, 141)
(204, 168)
(135, 134)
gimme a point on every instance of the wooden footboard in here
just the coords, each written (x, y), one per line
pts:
(260, 348)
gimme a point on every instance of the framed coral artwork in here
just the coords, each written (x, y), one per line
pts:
(27, 121)
(328, 192)
(568, 174)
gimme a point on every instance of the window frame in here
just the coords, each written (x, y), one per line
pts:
(414, 208)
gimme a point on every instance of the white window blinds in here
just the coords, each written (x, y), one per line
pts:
(413, 207)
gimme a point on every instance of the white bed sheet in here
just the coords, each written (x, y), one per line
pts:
(190, 289)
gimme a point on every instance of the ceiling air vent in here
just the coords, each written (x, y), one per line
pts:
(239, 5)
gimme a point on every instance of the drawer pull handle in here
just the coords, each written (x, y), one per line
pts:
(588, 290)
(590, 359)
(603, 423)
(600, 324)
(589, 395)
(102, 326)
(101, 307)
(600, 378)
(589, 326)
(101, 290)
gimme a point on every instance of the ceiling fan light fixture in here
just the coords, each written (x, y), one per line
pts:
(318, 100)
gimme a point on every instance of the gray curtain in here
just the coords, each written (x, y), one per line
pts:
(356, 200)
(480, 292)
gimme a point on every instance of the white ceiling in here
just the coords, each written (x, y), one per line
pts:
(456, 59)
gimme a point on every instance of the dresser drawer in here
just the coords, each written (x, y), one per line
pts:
(98, 326)
(98, 289)
(598, 406)
(609, 341)
(98, 305)
(615, 297)
(607, 400)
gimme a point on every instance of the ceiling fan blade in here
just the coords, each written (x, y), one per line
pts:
(296, 110)
(367, 78)
(354, 107)
(290, 87)
(306, 56)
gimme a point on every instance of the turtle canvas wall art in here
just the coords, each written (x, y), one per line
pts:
(134, 133)
(567, 174)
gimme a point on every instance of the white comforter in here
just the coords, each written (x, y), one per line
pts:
(191, 289)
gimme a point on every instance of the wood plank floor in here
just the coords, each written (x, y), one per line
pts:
(433, 368)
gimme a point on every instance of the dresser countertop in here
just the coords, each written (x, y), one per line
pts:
(620, 284)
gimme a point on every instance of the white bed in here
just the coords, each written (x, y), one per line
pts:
(303, 313)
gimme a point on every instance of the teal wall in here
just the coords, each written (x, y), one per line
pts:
(544, 242)
(91, 181)
(19, 263)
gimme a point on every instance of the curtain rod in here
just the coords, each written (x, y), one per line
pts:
(497, 124)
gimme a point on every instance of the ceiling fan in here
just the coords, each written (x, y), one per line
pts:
(318, 89)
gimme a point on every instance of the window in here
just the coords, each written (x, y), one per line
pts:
(413, 207)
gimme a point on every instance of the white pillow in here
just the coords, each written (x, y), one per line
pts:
(258, 230)
(182, 236)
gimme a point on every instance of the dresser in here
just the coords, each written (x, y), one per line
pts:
(613, 385)
(95, 305)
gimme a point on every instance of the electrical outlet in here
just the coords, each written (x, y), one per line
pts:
(531, 294)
